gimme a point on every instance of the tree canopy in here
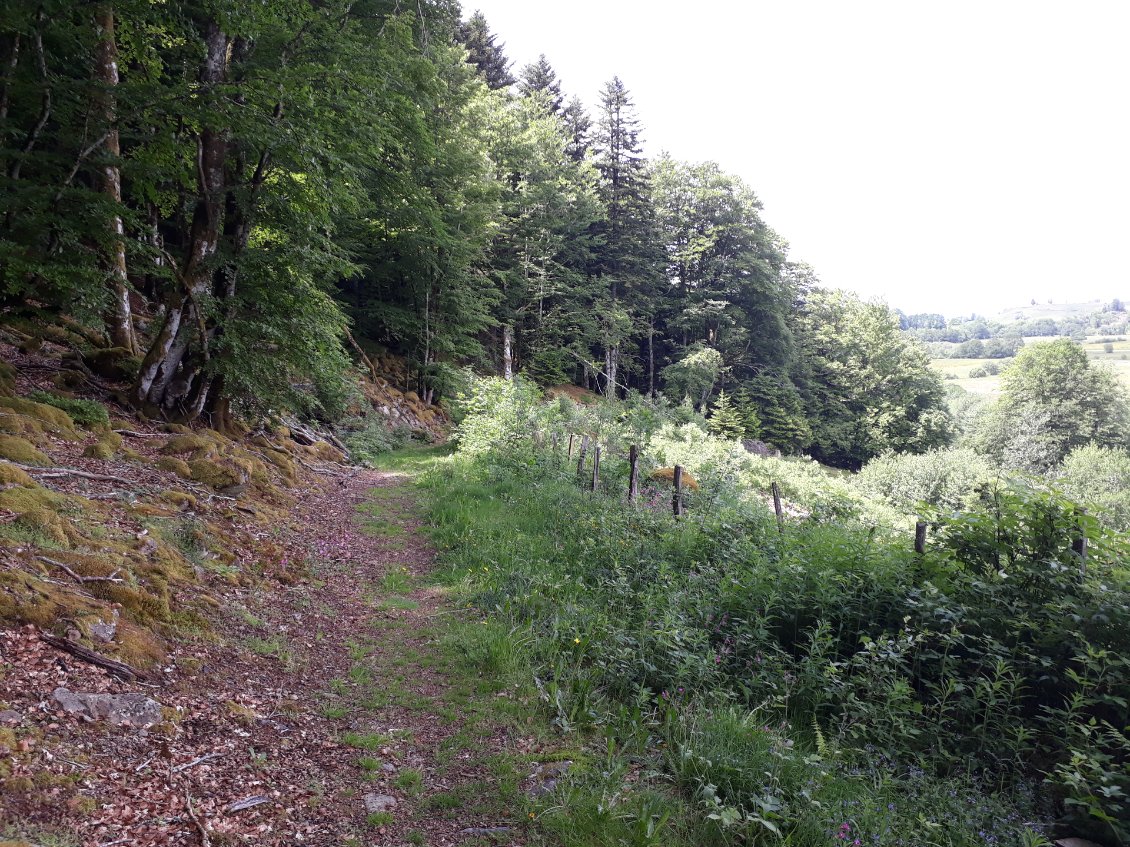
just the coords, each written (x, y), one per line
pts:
(239, 195)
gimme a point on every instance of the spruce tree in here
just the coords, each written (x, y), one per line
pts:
(484, 53)
(627, 260)
(724, 420)
(540, 78)
(577, 126)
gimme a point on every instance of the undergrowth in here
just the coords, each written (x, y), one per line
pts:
(819, 686)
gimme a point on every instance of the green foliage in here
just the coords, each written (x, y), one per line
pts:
(944, 478)
(1052, 401)
(88, 413)
(825, 668)
(725, 422)
(369, 439)
(870, 388)
(1100, 478)
(693, 375)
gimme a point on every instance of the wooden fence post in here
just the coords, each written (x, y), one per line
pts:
(677, 498)
(633, 473)
(595, 466)
(777, 510)
(569, 455)
(581, 454)
(920, 538)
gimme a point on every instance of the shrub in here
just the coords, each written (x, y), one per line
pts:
(369, 438)
(87, 413)
(1099, 477)
(946, 478)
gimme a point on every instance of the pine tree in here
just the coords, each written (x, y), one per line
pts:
(484, 53)
(540, 78)
(724, 420)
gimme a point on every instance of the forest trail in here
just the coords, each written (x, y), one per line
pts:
(432, 741)
(342, 710)
(423, 745)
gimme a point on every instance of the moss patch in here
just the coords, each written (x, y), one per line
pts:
(56, 419)
(88, 413)
(215, 474)
(7, 379)
(25, 598)
(11, 475)
(177, 466)
(21, 450)
(99, 450)
(180, 445)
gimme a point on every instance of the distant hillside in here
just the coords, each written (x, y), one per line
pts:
(1036, 311)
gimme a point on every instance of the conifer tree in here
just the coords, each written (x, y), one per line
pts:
(627, 261)
(724, 420)
(484, 53)
(539, 77)
(577, 125)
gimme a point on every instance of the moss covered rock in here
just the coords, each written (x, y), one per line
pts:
(20, 450)
(99, 450)
(116, 363)
(38, 526)
(177, 466)
(180, 499)
(667, 475)
(180, 445)
(215, 474)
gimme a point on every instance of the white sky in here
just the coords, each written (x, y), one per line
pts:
(947, 156)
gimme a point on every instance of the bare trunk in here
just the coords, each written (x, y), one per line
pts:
(119, 318)
(507, 351)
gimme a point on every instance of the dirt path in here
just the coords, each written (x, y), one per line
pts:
(342, 709)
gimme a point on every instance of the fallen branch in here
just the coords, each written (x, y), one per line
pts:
(129, 433)
(54, 473)
(118, 669)
(321, 470)
(207, 757)
(144, 764)
(248, 803)
(364, 358)
(204, 839)
(113, 577)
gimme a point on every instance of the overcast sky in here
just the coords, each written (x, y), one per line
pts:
(945, 156)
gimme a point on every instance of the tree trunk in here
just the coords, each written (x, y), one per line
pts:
(651, 356)
(119, 318)
(507, 351)
(612, 362)
(170, 381)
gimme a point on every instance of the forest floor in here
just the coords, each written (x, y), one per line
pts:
(344, 709)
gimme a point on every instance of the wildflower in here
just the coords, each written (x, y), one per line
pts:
(576, 641)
